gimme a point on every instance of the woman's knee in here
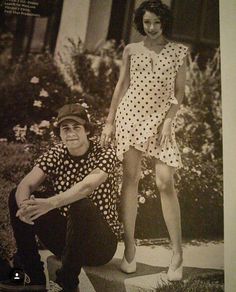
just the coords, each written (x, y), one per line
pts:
(165, 184)
(131, 173)
(131, 177)
(164, 177)
(132, 166)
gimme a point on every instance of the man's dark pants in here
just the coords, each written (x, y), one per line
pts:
(83, 239)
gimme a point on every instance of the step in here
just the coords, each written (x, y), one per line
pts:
(109, 278)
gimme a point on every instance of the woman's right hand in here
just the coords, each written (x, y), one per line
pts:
(106, 134)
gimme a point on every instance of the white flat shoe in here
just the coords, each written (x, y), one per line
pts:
(128, 268)
(175, 275)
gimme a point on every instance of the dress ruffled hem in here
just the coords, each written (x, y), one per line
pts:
(143, 136)
(158, 156)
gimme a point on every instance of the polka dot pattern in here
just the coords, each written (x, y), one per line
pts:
(66, 170)
(150, 95)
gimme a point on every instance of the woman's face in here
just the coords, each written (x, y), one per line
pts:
(152, 25)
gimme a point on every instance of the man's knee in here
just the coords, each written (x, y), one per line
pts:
(84, 207)
(82, 204)
(12, 200)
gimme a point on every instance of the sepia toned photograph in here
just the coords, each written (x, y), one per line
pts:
(111, 147)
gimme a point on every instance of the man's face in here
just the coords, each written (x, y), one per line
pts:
(73, 134)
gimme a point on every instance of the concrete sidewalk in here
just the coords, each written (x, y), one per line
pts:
(196, 254)
(153, 260)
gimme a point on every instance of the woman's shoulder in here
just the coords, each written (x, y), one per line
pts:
(133, 48)
(179, 46)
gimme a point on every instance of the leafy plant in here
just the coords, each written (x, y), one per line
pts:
(31, 93)
(95, 75)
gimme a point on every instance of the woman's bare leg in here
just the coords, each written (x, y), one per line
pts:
(131, 176)
(170, 209)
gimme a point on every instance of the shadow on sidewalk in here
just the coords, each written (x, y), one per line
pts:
(147, 278)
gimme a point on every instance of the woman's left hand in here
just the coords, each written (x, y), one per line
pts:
(165, 132)
(34, 208)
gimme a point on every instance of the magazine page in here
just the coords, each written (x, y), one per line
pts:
(111, 146)
(227, 33)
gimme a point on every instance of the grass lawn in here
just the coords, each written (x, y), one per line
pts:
(203, 283)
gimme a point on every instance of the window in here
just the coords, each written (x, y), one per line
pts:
(196, 21)
(120, 23)
(34, 34)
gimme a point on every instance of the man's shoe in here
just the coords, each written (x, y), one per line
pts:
(5, 269)
(20, 281)
(55, 287)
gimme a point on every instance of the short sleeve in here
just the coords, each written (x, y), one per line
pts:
(48, 161)
(127, 50)
(107, 160)
(181, 52)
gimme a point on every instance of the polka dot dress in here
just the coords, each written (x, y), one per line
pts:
(150, 95)
(66, 170)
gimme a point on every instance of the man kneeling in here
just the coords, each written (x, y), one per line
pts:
(79, 222)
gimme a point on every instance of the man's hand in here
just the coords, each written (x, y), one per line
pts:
(28, 185)
(21, 213)
(34, 208)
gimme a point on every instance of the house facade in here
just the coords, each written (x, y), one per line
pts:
(95, 21)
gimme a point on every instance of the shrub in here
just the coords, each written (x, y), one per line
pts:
(15, 163)
(31, 92)
(200, 182)
(95, 75)
(7, 244)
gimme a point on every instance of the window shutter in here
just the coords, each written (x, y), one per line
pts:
(196, 21)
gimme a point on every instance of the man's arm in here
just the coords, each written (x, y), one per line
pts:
(80, 190)
(29, 184)
(37, 207)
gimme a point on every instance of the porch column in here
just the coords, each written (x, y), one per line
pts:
(74, 23)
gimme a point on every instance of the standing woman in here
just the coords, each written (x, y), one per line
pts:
(146, 99)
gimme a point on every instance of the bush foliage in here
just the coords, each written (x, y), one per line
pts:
(31, 93)
(15, 162)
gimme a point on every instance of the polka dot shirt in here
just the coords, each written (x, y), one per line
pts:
(145, 104)
(66, 170)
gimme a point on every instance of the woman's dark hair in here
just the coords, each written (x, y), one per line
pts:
(158, 8)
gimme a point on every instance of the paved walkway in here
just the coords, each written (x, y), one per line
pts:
(196, 254)
(155, 257)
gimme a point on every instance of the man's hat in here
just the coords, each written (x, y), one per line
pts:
(73, 111)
